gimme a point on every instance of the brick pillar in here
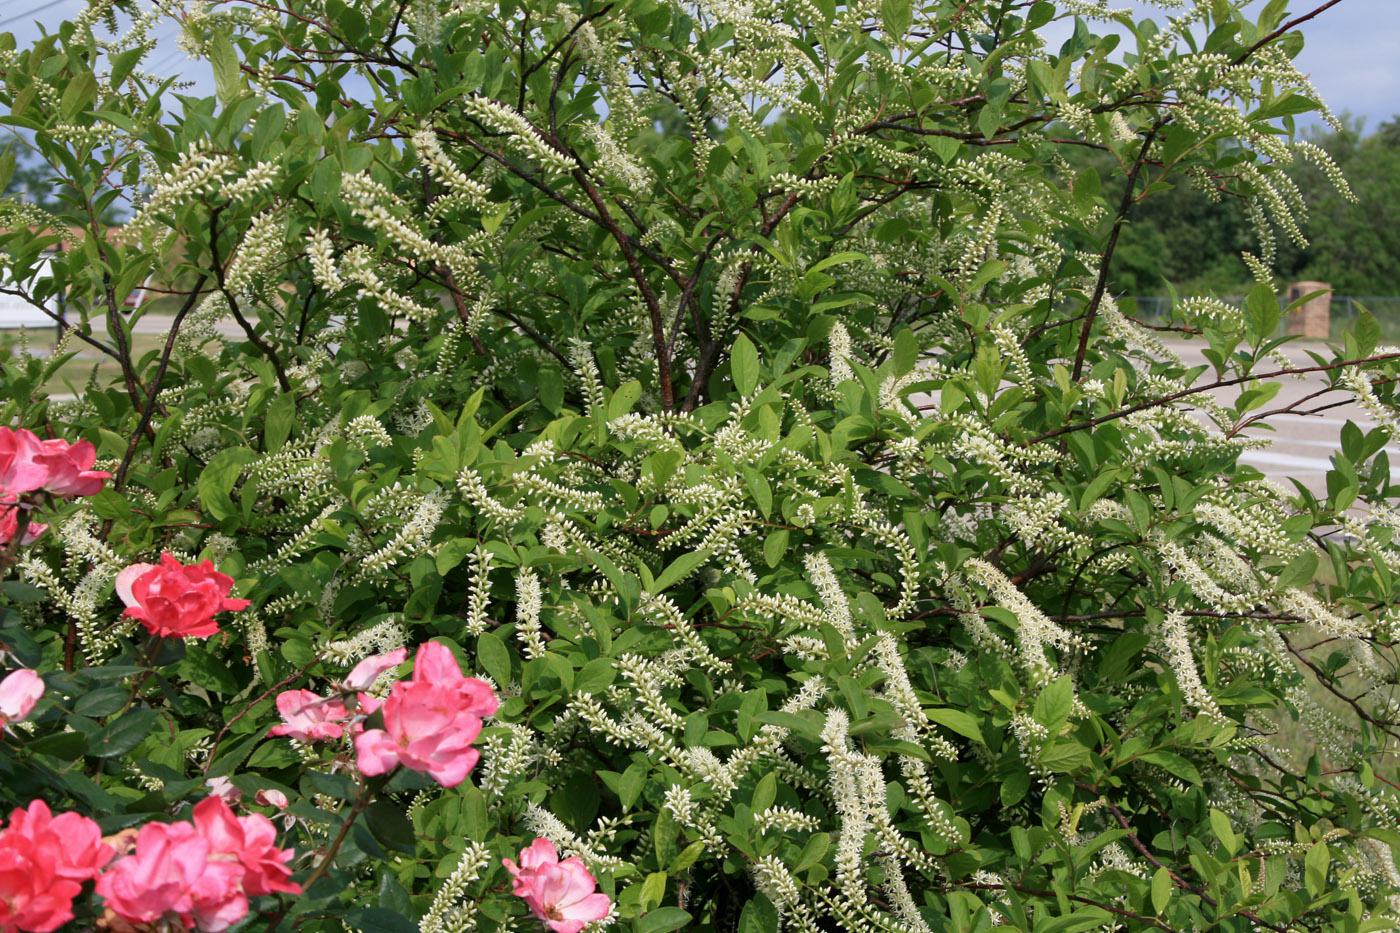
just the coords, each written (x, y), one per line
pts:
(1314, 318)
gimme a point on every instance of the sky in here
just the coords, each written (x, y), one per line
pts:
(1352, 50)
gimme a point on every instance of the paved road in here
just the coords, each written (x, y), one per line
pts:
(1302, 445)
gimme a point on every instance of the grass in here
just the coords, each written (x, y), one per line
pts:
(74, 373)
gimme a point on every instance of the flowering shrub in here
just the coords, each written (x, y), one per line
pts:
(724, 407)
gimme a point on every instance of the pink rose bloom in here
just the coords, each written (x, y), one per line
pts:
(367, 704)
(308, 717)
(562, 894)
(430, 721)
(271, 797)
(69, 466)
(434, 664)
(22, 468)
(75, 840)
(252, 841)
(33, 896)
(364, 674)
(18, 693)
(171, 876)
(224, 789)
(9, 523)
(171, 599)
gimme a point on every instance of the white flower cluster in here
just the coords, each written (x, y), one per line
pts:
(528, 605)
(480, 597)
(522, 135)
(412, 537)
(452, 911)
(199, 173)
(615, 162)
(1035, 632)
(262, 250)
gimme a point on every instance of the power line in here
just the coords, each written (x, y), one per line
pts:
(29, 14)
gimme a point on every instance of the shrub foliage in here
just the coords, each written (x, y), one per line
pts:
(736, 388)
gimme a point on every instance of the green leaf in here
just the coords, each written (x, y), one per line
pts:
(631, 784)
(1014, 788)
(906, 351)
(382, 920)
(1086, 918)
(101, 702)
(67, 746)
(688, 856)
(897, 16)
(124, 733)
(1366, 331)
(390, 826)
(962, 723)
(1262, 312)
(280, 415)
(452, 553)
(1162, 888)
(624, 398)
(775, 546)
(78, 95)
(743, 364)
(662, 920)
(493, 656)
(653, 890)
(1299, 572)
(123, 64)
(1315, 865)
(1220, 825)
(217, 480)
(1174, 764)
(595, 675)
(760, 489)
(1053, 706)
(627, 587)
(228, 79)
(812, 852)
(758, 916)
(945, 147)
(678, 570)
(765, 792)
(1064, 756)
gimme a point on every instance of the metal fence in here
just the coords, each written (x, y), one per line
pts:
(1345, 310)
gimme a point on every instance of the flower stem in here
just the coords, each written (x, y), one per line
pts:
(361, 802)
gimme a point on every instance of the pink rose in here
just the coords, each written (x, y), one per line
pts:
(252, 840)
(307, 717)
(171, 599)
(69, 467)
(18, 693)
(364, 674)
(271, 797)
(224, 789)
(171, 876)
(430, 721)
(33, 896)
(74, 841)
(9, 522)
(22, 468)
(562, 894)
